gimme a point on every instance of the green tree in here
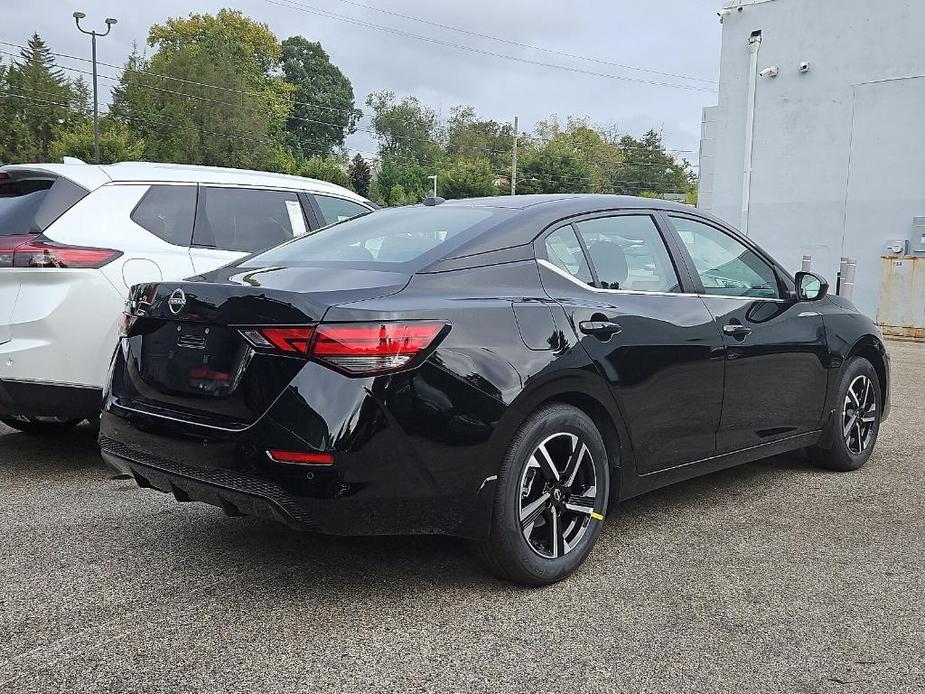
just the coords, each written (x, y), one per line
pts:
(406, 129)
(648, 167)
(323, 111)
(39, 96)
(401, 182)
(471, 138)
(116, 142)
(360, 175)
(329, 169)
(467, 178)
(209, 94)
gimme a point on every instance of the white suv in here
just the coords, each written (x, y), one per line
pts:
(74, 237)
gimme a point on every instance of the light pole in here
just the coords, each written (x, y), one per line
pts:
(434, 179)
(96, 102)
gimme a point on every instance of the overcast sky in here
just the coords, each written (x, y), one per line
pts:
(681, 37)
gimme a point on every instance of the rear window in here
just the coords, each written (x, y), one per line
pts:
(388, 238)
(19, 201)
(61, 197)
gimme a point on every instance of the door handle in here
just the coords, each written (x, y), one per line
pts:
(603, 329)
(736, 330)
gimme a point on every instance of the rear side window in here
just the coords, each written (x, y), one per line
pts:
(61, 197)
(168, 213)
(241, 219)
(628, 252)
(19, 202)
(564, 251)
(336, 210)
(389, 238)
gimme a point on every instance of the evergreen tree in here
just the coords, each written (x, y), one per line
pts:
(41, 96)
(360, 175)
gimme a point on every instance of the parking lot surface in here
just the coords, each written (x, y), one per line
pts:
(770, 577)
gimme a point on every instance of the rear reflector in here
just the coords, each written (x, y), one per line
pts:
(301, 458)
(358, 349)
(47, 254)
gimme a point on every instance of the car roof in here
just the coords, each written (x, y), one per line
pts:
(92, 176)
(592, 201)
(531, 214)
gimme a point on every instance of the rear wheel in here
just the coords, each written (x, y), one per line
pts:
(38, 426)
(551, 498)
(857, 422)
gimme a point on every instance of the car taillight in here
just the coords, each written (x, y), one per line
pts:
(289, 340)
(47, 254)
(371, 348)
(357, 349)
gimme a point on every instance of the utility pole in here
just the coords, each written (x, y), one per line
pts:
(96, 101)
(514, 161)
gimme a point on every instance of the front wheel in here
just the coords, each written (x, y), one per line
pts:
(856, 423)
(39, 427)
(552, 493)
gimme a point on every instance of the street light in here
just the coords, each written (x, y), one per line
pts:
(434, 179)
(96, 102)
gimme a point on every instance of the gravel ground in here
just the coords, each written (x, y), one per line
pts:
(770, 577)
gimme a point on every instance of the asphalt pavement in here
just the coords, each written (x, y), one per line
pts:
(774, 576)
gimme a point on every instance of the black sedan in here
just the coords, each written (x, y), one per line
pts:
(505, 370)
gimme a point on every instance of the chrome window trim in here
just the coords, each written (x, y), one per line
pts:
(545, 263)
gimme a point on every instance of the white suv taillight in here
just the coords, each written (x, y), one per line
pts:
(41, 253)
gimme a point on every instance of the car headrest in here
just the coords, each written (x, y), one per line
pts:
(610, 263)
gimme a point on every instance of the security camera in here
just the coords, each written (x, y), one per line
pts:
(724, 12)
(772, 71)
(804, 66)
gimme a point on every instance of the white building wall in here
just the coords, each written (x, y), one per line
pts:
(838, 163)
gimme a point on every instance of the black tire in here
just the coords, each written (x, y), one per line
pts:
(849, 451)
(39, 427)
(507, 552)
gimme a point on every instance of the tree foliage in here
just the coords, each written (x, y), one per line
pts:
(323, 111)
(360, 175)
(116, 142)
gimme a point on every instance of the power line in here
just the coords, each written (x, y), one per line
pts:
(171, 78)
(511, 42)
(292, 4)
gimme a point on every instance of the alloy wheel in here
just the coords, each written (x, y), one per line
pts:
(558, 489)
(859, 415)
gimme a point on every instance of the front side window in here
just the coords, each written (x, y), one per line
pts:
(564, 251)
(725, 266)
(167, 212)
(336, 210)
(248, 220)
(628, 252)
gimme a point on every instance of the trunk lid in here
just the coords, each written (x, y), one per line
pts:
(186, 358)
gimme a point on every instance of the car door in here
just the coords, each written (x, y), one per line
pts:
(776, 348)
(232, 222)
(651, 338)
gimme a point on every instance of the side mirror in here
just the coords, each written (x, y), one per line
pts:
(810, 286)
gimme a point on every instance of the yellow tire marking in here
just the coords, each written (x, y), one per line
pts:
(597, 516)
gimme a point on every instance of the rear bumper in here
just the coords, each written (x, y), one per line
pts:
(48, 399)
(57, 325)
(239, 493)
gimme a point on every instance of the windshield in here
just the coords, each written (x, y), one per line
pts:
(19, 201)
(394, 239)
